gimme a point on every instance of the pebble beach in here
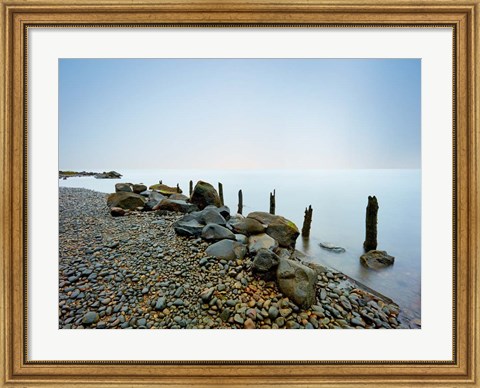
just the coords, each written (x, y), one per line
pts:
(135, 272)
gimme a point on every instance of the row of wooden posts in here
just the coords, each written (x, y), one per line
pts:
(370, 218)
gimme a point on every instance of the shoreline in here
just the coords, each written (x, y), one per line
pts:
(130, 289)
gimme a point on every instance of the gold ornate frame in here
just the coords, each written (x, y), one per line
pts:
(18, 15)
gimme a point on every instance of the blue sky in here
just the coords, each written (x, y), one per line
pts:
(239, 113)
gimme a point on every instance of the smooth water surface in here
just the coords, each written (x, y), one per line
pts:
(339, 200)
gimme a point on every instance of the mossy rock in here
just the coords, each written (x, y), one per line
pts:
(165, 190)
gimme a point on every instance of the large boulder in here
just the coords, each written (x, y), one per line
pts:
(376, 259)
(204, 194)
(278, 227)
(139, 188)
(126, 200)
(212, 216)
(261, 241)
(175, 206)
(227, 249)
(154, 199)
(223, 210)
(246, 226)
(214, 232)
(178, 196)
(265, 261)
(165, 190)
(188, 226)
(297, 281)
(123, 187)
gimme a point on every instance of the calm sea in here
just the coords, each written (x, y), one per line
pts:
(339, 199)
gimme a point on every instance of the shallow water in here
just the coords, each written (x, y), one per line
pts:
(339, 199)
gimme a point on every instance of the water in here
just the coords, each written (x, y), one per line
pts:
(339, 199)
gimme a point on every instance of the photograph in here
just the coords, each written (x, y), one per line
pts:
(239, 193)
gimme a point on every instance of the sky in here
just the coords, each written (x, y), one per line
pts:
(239, 114)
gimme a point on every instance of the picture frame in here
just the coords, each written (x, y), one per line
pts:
(19, 15)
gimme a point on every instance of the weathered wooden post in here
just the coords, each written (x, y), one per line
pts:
(272, 202)
(191, 188)
(240, 202)
(220, 192)
(371, 224)
(307, 221)
(178, 188)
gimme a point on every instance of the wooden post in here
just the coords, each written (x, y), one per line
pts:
(220, 193)
(240, 202)
(272, 202)
(191, 188)
(178, 188)
(307, 221)
(371, 225)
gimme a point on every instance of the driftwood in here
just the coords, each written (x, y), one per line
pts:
(220, 193)
(371, 224)
(307, 221)
(240, 202)
(272, 202)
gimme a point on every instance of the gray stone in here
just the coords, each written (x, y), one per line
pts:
(161, 303)
(123, 187)
(175, 205)
(376, 259)
(204, 194)
(90, 318)
(278, 227)
(246, 226)
(125, 200)
(265, 261)
(227, 249)
(297, 281)
(261, 241)
(214, 232)
(188, 227)
(332, 247)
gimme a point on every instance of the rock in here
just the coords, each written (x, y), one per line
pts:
(108, 175)
(161, 303)
(249, 324)
(297, 281)
(212, 216)
(204, 194)
(139, 188)
(165, 190)
(188, 227)
(146, 193)
(174, 205)
(265, 261)
(178, 196)
(123, 187)
(227, 249)
(241, 238)
(214, 232)
(154, 198)
(207, 294)
(261, 241)
(117, 212)
(273, 313)
(331, 247)
(246, 226)
(125, 200)
(376, 259)
(278, 227)
(90, 318)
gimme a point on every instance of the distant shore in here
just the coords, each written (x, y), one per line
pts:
(98, 175)
(136, 272)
